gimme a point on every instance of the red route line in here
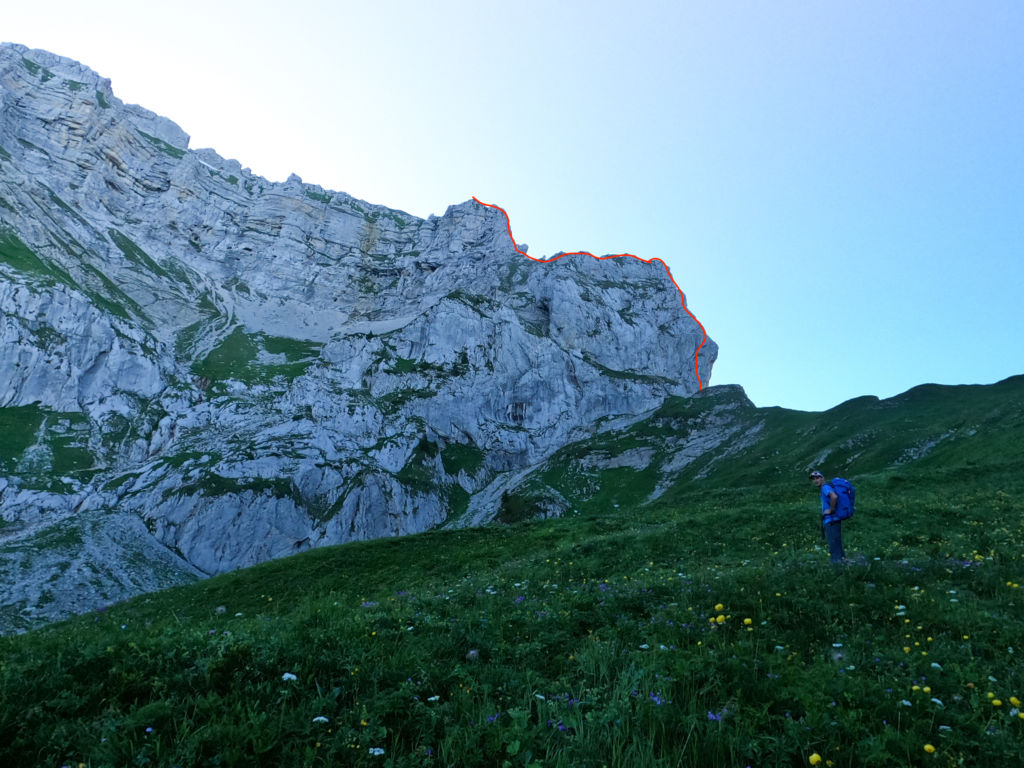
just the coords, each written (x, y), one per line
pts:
(682, 298)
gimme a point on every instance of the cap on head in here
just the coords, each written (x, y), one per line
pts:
(816, 473)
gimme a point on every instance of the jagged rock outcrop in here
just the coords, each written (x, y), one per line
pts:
(254, 368)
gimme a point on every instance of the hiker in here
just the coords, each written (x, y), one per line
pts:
(830, 521)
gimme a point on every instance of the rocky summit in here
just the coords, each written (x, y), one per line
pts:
(202, 370)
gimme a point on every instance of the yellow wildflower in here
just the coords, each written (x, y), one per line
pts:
(814, 759)
(748, 622)
(929, 748)
(719, 607)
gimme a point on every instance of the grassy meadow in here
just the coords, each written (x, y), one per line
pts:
(706, 628)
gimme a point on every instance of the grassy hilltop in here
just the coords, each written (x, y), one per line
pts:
(699, 625)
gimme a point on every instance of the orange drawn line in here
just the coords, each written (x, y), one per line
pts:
(682, 298)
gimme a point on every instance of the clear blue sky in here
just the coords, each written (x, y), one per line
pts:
(838, 187)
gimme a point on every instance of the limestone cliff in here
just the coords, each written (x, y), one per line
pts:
(246, 369)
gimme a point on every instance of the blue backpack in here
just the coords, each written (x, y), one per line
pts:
(846, 493)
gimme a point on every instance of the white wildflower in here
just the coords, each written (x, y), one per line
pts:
(376, 751)
(937, 702)
(644, 646)
(319, 719)
(288, 676)
(906, 703)
(433, 698)
(936, 665)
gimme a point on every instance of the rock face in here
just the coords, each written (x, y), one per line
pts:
(250, 368)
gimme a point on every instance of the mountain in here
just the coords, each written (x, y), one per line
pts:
(203, 370)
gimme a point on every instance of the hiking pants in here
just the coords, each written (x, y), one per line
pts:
(834, 537)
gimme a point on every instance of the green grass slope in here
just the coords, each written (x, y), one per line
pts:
(705, 628)
(934, 429)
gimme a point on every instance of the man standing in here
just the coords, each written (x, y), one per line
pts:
(830, 521)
